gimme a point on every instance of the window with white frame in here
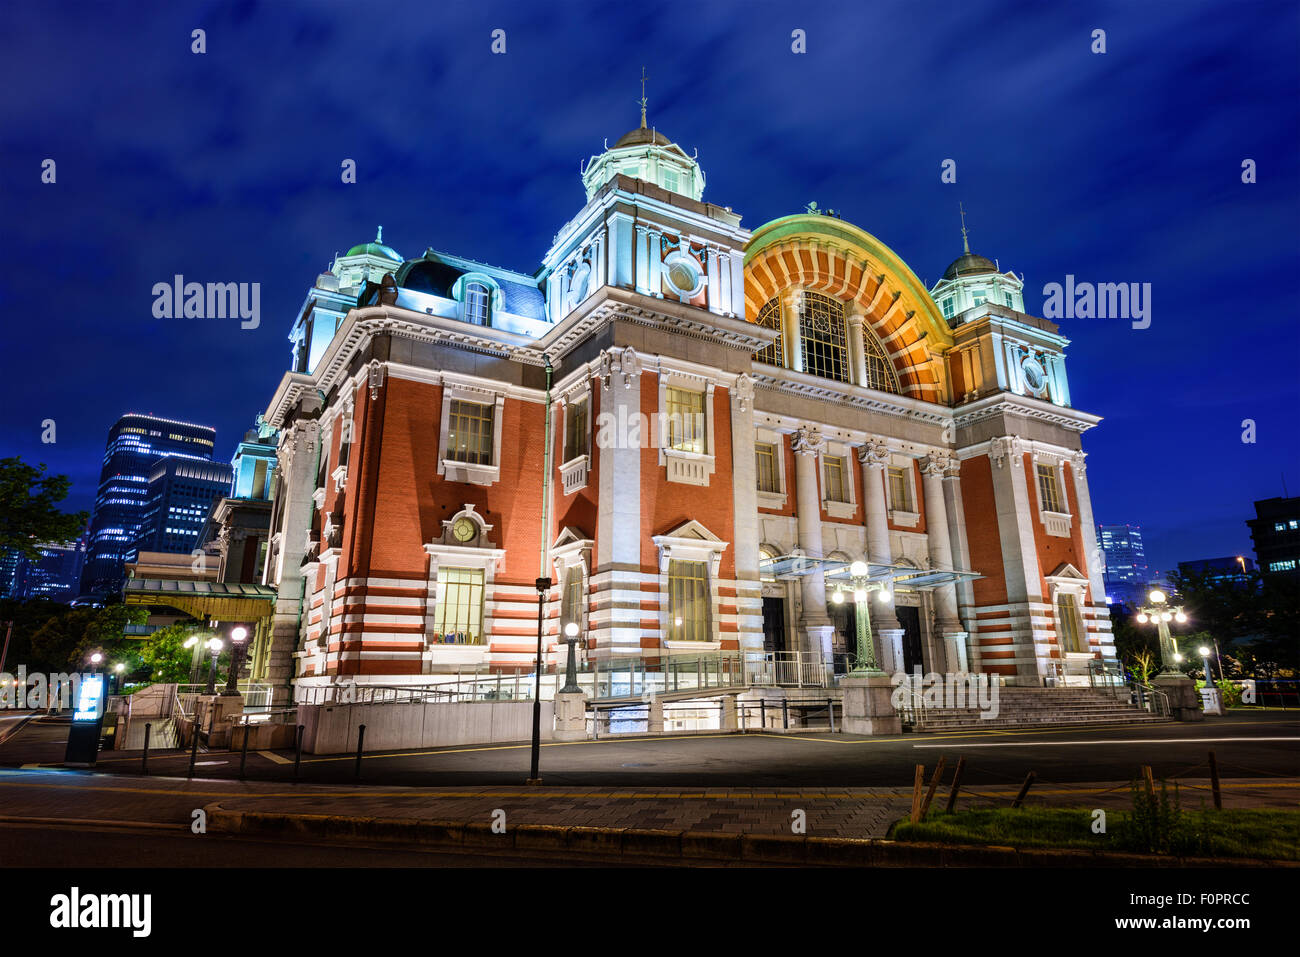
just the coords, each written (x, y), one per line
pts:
(1071, 623)
(768, 475)
(477, 304)
(458, 614)
(947, 307)
(835, 479)
(470, 433)
(900, 489)
(769, 317)
(576, 429)
(1049, 491)
(686, 426)
(688, 601)
(571, 603)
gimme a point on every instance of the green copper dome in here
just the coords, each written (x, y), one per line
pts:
(376, 248)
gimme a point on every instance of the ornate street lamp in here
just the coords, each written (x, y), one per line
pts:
(864, 664)
(238, 637)
(543, 585)
(214, 646)
(1161, 613)
(570, 669)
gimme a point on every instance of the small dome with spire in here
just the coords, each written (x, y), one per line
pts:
(376, 248)
(969, 264)
(972, 280)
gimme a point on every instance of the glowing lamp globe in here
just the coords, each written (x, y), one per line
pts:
(571, 630)
(1157, 595)
(858, 569)
(1143, 619)
(837, 597)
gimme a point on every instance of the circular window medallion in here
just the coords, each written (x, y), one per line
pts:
(1035, 375)
(682, 273)
(464, 530)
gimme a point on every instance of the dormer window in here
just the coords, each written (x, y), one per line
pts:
(947, 308)
(477, 304)
(670, 180)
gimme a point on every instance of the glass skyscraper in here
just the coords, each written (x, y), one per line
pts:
(135, 444)
(1126, 573)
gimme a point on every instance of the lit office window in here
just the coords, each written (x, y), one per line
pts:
(458, 615)
(469, 433)
(688, 601)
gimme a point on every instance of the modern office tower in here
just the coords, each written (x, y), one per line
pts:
(135, 444)
(1230, 568)
(1275, 530)
(13, 565)
(56, 572)
(181, 493)
(1127, 574)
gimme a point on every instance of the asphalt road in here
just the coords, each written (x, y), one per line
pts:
(1247, 744)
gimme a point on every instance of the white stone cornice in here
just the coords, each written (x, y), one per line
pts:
(1005, 403)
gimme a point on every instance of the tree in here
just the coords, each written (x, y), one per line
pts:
(165, 655)
(28, 516)
(1255, 617)
(65, 642)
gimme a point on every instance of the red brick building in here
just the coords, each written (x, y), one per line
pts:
(736, 419)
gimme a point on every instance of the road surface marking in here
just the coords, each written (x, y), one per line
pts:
(1044, 744)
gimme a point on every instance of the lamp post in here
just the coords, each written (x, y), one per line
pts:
(214, 646)
(543, 586)
(570, 668)
(238, 636)
(864, 664)
(1161, 613)
(117, 677)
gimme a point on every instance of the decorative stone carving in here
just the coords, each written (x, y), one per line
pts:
(1004, 447)
(808, 442)
(743, 394)
(874, 454)
(376, 378)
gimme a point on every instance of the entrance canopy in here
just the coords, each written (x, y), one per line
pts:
(219, 601)
(837, 572)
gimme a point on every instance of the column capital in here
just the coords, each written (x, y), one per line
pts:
(940, 465)
(856, 319)
(875, 454)
(808, 441)
(743, 392)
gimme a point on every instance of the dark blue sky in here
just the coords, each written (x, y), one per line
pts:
(1123, 167)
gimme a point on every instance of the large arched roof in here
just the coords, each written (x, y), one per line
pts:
(823, 254)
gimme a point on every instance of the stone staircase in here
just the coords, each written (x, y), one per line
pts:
(1039, 707)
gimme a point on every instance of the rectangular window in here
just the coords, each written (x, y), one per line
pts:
(1049, 493)
(1071, 630)
(688, 601)
(1007, 296)
(765, 462)
(686, 420)
(947, 308)
(834, 479)
(458, 618)
(575, 430)
(900, 492)
(469, 433)
(670, 179)
(571, 602)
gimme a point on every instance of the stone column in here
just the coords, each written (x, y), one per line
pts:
(857, 349)
(885, 629)
(655, 284)
(299, 447)
(616, 578)
(642, 259)
(947, 622)
(712, 285)
(816, 623)
(749, 595)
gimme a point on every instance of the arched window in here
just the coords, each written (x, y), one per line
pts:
(766, 562)
(880, 372)
(822, 336)
(769, 317)
(478, 304)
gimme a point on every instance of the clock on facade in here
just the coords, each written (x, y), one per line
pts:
(463, 530)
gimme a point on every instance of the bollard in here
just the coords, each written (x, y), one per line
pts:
(1214, 782)
(144, 758)
(830, 711)
(243, 753)
(361, 737)
(762, 714)
(785, 714)
(297, 752)
(194, 740)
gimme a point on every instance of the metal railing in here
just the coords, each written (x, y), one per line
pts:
(257, 696)
(763, 714)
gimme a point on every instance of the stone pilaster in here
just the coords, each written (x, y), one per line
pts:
(815, 622)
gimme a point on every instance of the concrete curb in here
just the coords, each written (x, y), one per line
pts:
(641, 845)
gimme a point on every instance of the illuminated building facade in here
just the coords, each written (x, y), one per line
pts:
(736, 418)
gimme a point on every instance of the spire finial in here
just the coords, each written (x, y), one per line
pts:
(643, 101)
(965, 245)
(379, 235)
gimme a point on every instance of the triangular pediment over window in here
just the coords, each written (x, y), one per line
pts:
(1066, 571)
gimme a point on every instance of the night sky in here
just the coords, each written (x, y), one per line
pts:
(225, 167)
